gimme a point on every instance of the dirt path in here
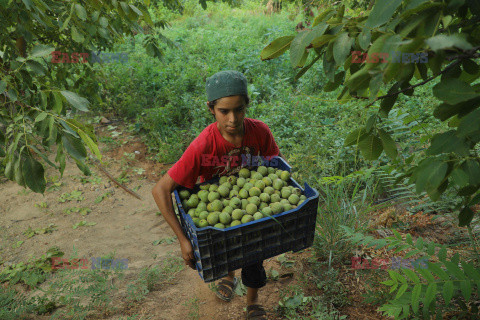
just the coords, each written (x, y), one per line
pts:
(124, 226)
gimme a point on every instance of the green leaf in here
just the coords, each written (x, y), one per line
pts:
(135, 9)
(454, 270)
(459, 177)
(58, 104)
(371, 147)
(75, 100)
(276, 48)
(419, 243)
(17, 169)
(91, 145)
(472, 169)
(411, 275)
(430, 174)
(382, 12)
(447, 142)
(466, 288)
(465, 217)
(36, 67)
(387, 103)
(469, 124)
(470, 66)
(76, 36)
(364, 39)
(358, 80)
(388, 144)
(3, 86)
(341, 48)
(41, 50)
(438, 271)
(408, 239)
(447, 292)
(306, 68)
(430, 294)
(330, 86)
(41, 116)
(445, 111)
(442, 41)
(355, 136)
(74, 147)
(34, 174)
(453, 91)
(442, 254)
(81, 12)
(417, 289)
(401, 291)
(471, 271)
(426, 274)
(302, 40)
(320, 41)
(104, 22)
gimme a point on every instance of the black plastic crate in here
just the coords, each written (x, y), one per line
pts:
(218, 251)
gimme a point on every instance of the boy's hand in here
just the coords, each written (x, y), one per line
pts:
(187, 253)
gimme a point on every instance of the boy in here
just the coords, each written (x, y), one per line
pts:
(219, 150)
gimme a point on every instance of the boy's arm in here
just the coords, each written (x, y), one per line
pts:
(162, 193)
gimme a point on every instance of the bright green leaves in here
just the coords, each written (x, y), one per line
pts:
(382, 12)
(80, 12)
(442, 41)
(41, 50)
(276, 48)
(77, 36)
(75, 100)
(453, 91)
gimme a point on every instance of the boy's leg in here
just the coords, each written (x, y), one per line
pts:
(229, 277)
(254, 278)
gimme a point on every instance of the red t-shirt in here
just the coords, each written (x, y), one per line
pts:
(210, 155)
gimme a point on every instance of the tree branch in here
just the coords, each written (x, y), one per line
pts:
(458, 59)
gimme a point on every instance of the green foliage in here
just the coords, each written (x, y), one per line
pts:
(429, 290)
(343, 202)
(40, 98)
(446, 33)
(33, 272)
(295, 305)
(75, 195)
(151, 277)
(31, 232)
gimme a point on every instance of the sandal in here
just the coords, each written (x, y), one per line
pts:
(256, 312)
(227, 287)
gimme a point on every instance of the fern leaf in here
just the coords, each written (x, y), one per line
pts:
(417, 289)
(447, 292)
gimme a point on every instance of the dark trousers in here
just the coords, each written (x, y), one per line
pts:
(254, 276)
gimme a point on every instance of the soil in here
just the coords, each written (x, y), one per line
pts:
(128, 227)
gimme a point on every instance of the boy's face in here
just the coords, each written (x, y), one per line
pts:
(229, 113)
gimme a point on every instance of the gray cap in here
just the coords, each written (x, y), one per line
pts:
(225, 84)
